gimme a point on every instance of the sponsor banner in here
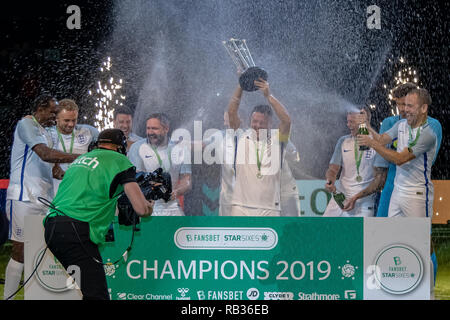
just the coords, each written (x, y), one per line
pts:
(228, 258)
(397, 258)
(251, 258)
(50, 281)
(210, 238)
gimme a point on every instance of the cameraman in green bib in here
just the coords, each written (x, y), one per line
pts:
(84, 208)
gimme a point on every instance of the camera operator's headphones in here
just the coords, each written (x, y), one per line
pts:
(114, 136)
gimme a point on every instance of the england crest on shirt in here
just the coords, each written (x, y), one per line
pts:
(81, 139)
(369, 154)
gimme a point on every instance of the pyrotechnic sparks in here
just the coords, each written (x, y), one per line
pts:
(107, 96)
(405, 74)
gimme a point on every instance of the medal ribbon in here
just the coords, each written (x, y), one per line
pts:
(235, 154)
(413, 143)
(358, 158)
(62, 141)
(34, 119)
(160, 160)
(258, 159)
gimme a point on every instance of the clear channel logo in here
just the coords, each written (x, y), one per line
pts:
(401, 269)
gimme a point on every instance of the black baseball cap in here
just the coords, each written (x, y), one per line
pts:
(115, 136)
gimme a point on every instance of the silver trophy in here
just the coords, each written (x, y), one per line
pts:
(239, 53)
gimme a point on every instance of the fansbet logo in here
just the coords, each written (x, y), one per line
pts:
(211, 238)
(400, 269)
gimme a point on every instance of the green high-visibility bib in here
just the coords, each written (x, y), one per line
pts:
(84, 193)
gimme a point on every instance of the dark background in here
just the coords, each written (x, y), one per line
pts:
(39, 53)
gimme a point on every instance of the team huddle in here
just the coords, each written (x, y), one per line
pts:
(397, 161)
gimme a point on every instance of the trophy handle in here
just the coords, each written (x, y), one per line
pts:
(248, 54)
(233, 57)
(244, 61)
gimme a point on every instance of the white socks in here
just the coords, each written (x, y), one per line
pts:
(13, 275)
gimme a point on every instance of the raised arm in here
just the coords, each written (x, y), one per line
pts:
(233, 107)
(381, 138)
(278, 107)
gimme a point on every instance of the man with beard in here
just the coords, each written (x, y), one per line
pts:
(31, 177)
(158, 151)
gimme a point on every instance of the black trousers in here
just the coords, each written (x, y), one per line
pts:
(68, 240)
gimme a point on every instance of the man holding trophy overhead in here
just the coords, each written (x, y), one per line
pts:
(258, 155)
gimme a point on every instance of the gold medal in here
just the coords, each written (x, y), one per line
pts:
(358, 178)
(259, 175)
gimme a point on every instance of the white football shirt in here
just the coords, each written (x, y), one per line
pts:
(30, 177)
(414, 177)
(145, 158)
(250, 190)
(83, 135)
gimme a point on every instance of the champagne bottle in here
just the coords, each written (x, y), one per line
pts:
(363, 130)
(339, 197)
